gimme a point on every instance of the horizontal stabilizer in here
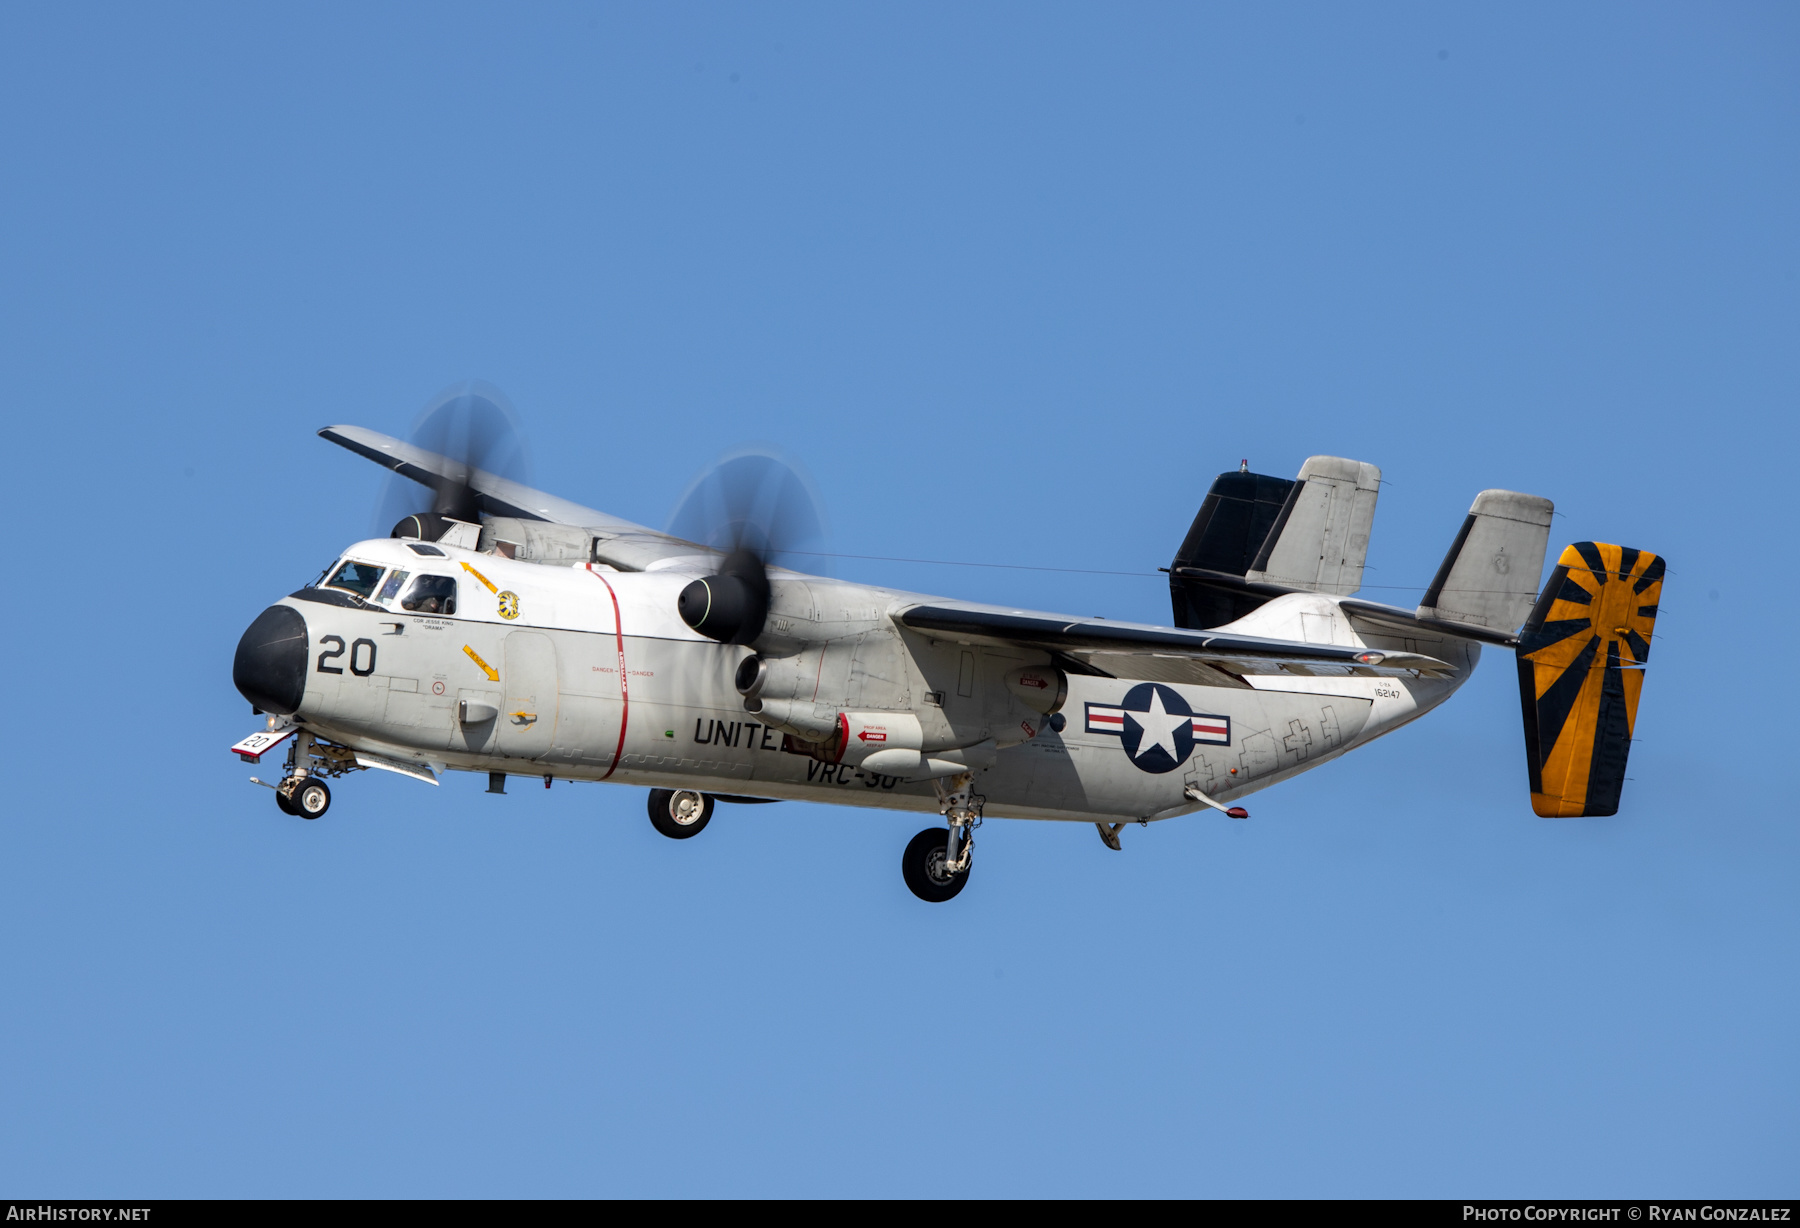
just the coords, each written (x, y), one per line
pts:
(1581, 661)
(1490, 575)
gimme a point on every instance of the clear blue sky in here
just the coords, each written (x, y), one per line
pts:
(1014, 283)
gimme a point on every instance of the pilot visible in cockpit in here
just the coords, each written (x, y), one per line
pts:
(431, 595)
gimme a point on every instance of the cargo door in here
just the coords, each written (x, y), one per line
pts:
(527, 721)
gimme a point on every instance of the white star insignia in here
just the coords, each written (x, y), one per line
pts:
(1159, 726)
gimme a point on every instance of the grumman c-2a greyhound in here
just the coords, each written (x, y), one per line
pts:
(514, 633)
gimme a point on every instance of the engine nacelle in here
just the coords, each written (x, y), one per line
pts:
(849, 738)
(793, 677)
(804, 719)
(732, 604)
(861, 734)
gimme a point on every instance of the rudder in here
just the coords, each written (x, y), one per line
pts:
(1581, 658)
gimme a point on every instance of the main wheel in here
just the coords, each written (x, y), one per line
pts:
(311, 799)
(679, 813)
(922, 865)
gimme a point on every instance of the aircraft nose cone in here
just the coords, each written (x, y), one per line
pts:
(270, 667)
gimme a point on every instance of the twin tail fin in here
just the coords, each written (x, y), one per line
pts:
(1257, 536)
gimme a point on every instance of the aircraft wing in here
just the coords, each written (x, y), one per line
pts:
(1138, 650)
(619, 542)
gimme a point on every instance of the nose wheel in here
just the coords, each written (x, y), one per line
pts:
(679, 813)
(307, 797)
(311, 799)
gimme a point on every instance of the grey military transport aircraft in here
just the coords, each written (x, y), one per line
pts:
(510, 632)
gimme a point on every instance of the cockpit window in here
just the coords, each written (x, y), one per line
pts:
(354, 577)
(392, 588)
(431, 595)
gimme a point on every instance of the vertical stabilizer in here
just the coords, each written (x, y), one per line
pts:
(1320, 540)
(1490, 576)
(1581, 661)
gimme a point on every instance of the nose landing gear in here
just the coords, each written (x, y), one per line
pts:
(302, 790)
(308, 798)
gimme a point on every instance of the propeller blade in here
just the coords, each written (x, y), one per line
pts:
(473, 424)
(755, 501)
(758, 511)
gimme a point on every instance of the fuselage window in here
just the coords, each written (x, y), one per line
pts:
(358, 578)
(431, 595)
(391, 589)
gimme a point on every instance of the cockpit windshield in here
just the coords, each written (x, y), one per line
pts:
(358, 578)
(391, 589)
(431, 595)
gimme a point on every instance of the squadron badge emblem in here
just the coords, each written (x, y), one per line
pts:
(509, 604)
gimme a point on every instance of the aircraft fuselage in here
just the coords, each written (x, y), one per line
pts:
(585, 672)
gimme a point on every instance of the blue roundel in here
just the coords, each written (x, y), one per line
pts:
(1158, 733)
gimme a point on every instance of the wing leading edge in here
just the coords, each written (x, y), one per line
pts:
(619, 542)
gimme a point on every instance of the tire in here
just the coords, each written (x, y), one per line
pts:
(281, 802)
(675, 814)
(311, 799)
(923, 879)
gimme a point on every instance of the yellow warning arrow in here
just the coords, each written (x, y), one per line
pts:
(493, 674)
(484, 580)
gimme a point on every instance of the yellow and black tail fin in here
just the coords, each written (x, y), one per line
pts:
(1581, 669)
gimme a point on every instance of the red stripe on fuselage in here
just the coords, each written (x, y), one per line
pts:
(624, 677)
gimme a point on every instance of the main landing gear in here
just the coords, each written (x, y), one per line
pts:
(679, 813)
(936, 862)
